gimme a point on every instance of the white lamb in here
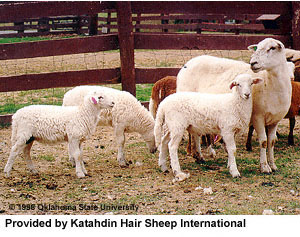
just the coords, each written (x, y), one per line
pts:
(51, 124)
(271, 100)
(128, 115)
(201, 113)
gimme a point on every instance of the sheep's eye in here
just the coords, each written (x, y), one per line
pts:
(272, 48)
(100, 97)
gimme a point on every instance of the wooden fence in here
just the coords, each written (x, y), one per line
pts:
(142, 25)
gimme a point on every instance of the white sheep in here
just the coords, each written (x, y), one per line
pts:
(201, 113)
(128, 115)
(51, 124)
(271, 100)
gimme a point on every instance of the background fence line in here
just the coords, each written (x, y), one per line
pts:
(127, 26)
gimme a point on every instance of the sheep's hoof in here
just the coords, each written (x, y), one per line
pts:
(80, 175)
(273, 167)
(164, 168)
(34, 171)
(124, 165)
(212, 153)
(7, 174)
(199, 159)
(265, 168)
(235, 173)
(181, 177)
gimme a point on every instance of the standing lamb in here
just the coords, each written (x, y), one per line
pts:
(271, 100)
(51, 124)
(163, 88)
(200, 113)
(128, 115)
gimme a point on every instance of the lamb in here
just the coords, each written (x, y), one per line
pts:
(293, 111)
(202, 113)
(128, 115)
(163, 88)
(271, 100)
(51, 124)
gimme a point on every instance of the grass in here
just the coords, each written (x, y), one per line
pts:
(54, 97)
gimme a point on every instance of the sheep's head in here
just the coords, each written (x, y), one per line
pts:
(100, 99)
(243, 83)
(267, 54)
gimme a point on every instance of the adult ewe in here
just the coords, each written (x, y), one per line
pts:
(128, 115)
(271, 100)
(51, 124)
(201, 113)
(291, 115)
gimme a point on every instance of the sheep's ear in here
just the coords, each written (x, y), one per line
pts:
(253, 47)
(232, 84)
(257, 80)
(279, 45)
(94, 100)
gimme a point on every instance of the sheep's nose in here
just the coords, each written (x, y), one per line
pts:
(247, 95)
(253, 63)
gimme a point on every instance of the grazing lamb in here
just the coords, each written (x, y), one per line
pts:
(292, 113)
(51, 124)
(128, 115)
(271, 100)
(200, 113)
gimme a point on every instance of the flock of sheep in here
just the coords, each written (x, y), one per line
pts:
(214, 96)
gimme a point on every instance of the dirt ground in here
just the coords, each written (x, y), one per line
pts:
(142, 188)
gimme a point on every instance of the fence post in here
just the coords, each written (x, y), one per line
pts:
(126, 43)
(93, 26)
(296, 25)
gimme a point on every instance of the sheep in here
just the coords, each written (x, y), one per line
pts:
(163, 88)
(203, 113)
(293, 111)
(128, 115)
(52, 124)
(294, 56)
(271, 100)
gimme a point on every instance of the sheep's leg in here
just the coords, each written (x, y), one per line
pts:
(74, 153)
(189, 145)
(197, 153)
(271, 142)
(163, 152)
(259, 126)
(29, 162)
(120, 140)
(249, 138)
(291, 134)
(81, 159)
(173, 150)
(16, 149)
(231, 149)
(211, 151)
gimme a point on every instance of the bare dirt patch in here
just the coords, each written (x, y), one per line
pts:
(143, 188)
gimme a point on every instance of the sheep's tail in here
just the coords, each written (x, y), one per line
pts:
(158, 127)
(14, 131)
